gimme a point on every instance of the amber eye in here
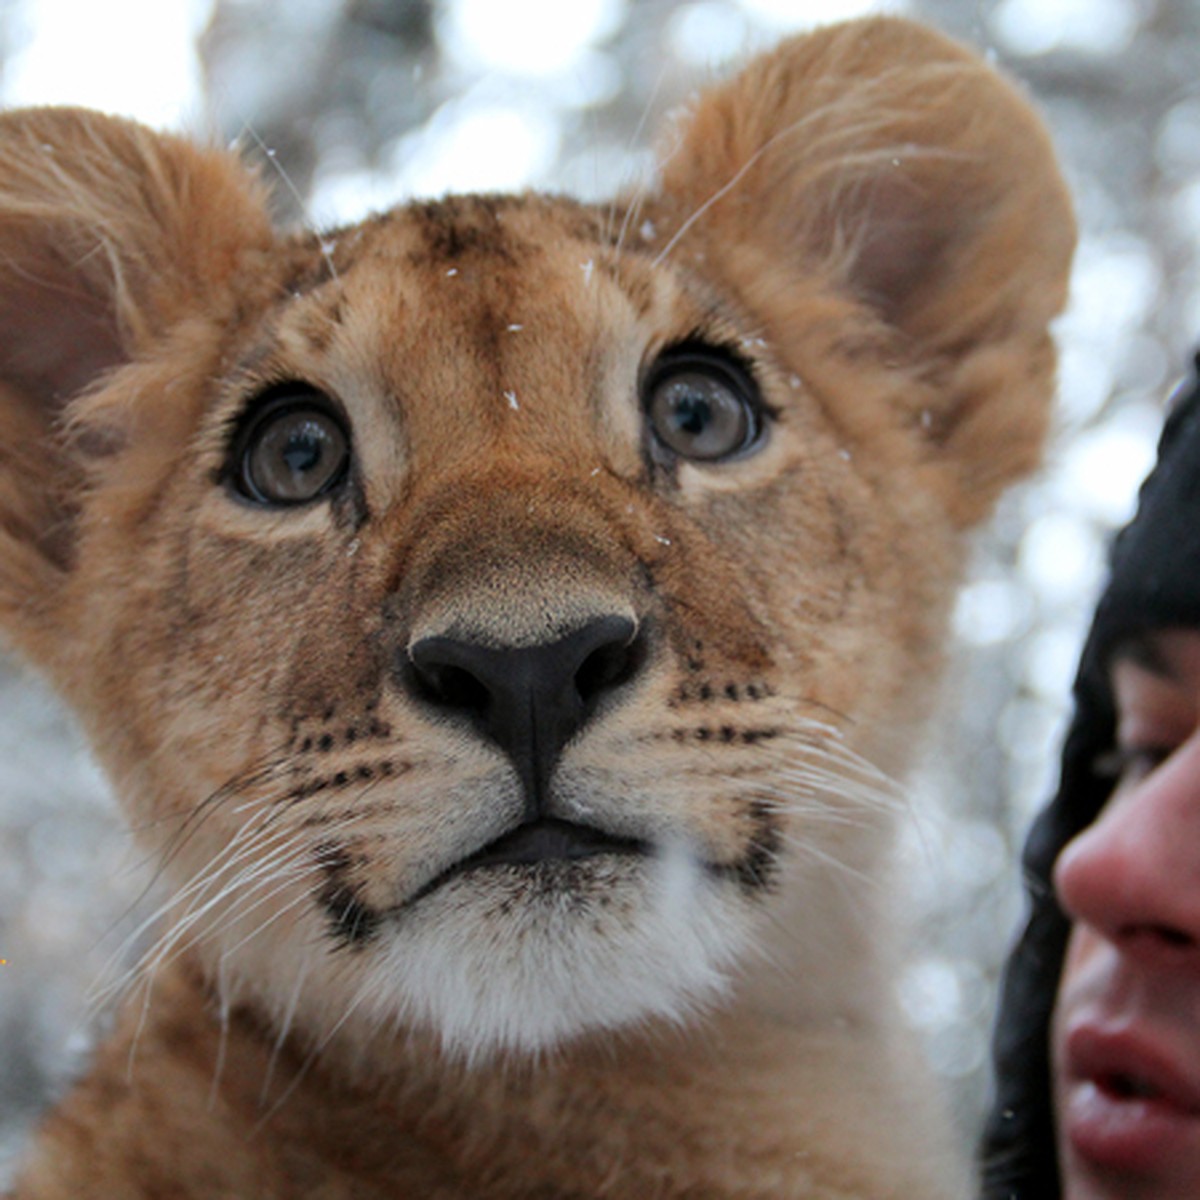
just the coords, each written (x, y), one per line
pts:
(702, 406)
(294, 448)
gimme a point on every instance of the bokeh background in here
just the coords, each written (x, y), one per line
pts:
(354, 105)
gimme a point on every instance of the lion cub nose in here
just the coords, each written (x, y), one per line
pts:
(529, 700)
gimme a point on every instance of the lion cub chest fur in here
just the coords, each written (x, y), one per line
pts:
(500, 620)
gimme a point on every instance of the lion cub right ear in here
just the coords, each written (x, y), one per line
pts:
(889, 207)
(110, 234)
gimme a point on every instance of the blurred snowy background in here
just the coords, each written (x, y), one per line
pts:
(361, 103)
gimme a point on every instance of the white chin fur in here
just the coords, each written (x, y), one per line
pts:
(508, 961)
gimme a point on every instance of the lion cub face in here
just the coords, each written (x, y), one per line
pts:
(486, 497)
(494, 615)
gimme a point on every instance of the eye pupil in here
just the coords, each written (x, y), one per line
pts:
(303, 449)
(692, 414)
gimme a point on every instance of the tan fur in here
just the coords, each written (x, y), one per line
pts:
(873, 219)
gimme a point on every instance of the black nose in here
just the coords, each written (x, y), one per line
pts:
(529, 700)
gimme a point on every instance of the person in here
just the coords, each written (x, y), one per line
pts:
(1097, 1041)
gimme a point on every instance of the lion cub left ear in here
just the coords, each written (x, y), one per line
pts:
(875, 193)
(110, 235)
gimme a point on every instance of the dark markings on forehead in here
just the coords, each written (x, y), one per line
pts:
(459, 226)
(308, 260)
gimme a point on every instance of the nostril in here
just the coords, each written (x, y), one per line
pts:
(450, 686)
(610, 665)
(1167, 936)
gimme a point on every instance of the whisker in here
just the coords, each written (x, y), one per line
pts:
(635, 204)
(245, 883)
(831, 131)
(714, 199)
(199, 882)
(284, 1029)
(312, 1056)
(294, 192)
(289, 858)
(191, 820)
(222, 1037)
(194, 893)
(289, 879)
(842, 871)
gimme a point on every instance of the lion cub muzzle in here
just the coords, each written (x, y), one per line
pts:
(521, 635)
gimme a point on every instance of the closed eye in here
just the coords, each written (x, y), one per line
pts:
(1129, 764)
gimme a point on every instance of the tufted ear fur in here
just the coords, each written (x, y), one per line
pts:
(878, 189)
(109, 235)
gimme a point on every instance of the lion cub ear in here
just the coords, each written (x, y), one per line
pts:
(877, 192)
(109, 235)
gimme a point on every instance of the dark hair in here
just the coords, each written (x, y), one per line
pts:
(1154, 583)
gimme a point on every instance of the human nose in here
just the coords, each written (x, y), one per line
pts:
(1134, 874)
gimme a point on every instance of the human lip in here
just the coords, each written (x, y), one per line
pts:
(1129, 1105)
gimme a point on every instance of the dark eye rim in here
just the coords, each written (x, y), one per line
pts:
(728, 365)
(271, 404)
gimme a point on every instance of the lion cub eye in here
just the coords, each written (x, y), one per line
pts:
(702, 405)
(293, 448)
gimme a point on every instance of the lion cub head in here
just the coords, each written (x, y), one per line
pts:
(496, 615)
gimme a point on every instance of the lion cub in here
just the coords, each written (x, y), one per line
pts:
(497, 618)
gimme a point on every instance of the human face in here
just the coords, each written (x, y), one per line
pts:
(1126, 1033)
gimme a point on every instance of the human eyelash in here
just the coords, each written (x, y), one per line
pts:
(1119, 761)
